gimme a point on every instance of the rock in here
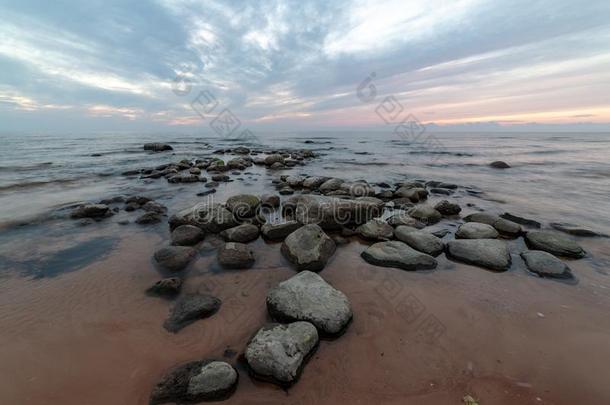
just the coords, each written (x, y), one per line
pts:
(330, 185)
(307, 297)
(476, 230)
(273, 159)
(546, 265)
(220, 177)
(357, 189)
(286, 191)
(308, 248)
(277, 353)
(339, 240)
(415, 194)
(174, 258)
(489, 253)
(447, 208)
(405, 219)
(167, 287)
(498, 164)
(420, 240)
(152, 206)
(520, 220)
(376, 229)
(211, 185)
(197, 381)
(91, 211)
(211, 217)
(279, 231)
(314, 182)
(439, 233)
(573, 230)
(334, 213)
(243, 205)
(402, 203)
(187, 235)
(554, 243)
(157, 147)
(385, 195)
(206, 192)
(270, 200)
(233, 255)
(505, 227)
(190, 308)
(398, 254)
(241, 150)
(149, 218)
(441, 191)
(426, 214)
(277, 166)
(243, 233)
(295, 181)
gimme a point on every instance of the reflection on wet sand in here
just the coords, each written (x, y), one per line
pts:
(92, 336)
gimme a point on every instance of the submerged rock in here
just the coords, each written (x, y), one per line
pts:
(546, 265)
(187, 235)
(279, 231)
(398, 254)
(211, 217)
(197, 381)
(573, 230)
(307, 297)
(420, 240)
(277, 353)
(234, 255)
(308, 248)
(242, 233)
(505, 227)
(554, 243)
(174, 258)
(492, 254)
(157, 147)
(376, 229)
(476, 230)
(167, 287)
(498, 164)
(190, 308)
(91, 211)
(149, 218)
(520, 220)
(447, 208)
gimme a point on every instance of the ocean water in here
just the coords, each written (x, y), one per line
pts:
(556, 177)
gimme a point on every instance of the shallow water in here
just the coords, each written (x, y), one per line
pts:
(77, 328)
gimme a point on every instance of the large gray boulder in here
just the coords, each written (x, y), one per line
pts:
(197, 381)
(476, 230)
(277, 353)
(187, 235)
(280, 231)
(233, 255)
(211, 217)
(504, 226)
(546, 265)
(313, 182)
(554, 243)
(398, 254)
(334, 213)
(174, 258)
(307, 297)
(376, 229)
(308, 248)
(330, 185)
(492, 254)
(422, 241)
(242, 233)
(243, 205)
(190, 308)
(426, 214)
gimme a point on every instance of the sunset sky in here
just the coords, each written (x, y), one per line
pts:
(116, 65)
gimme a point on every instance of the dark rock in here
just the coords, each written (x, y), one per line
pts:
(279, 231)
(334, 213)
(448, 208)
(498, 164)
(505, 227)
(243, 205)
(308, 248)
(546, 265)
(211, 217)
(398, 254)
(167, 287)
(91, 211)
(520, 220)
(441, 191)
(174, 258)
(420, 240)
(190, 308)
(489, 253)
(234, 255)
(152, 206)
(270, 200)
(157, 147)
(376, 229)
(242, 233)
(187, 235)
(573, 230)
(149, 218)
(206, 192)
(476, 230)
(554, 243)
(426, 214)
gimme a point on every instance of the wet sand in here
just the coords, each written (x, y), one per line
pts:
(93, 337)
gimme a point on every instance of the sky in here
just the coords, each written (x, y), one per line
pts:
(169, 65)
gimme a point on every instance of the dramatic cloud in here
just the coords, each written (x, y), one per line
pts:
(118, 65)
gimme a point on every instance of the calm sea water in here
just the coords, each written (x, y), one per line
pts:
(554, 176)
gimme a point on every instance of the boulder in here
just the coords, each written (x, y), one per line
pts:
(279, 231)
(153, 206)
(492, 254)
(273, 159)
(307, 297)
(404, 219)
(546, 265)
(157, 147)
(398, 254)
(270, 200)
(476, 230)
(174, 258)
(422, 241)
(190, 308)
(167, 287)
(334, 213)
(91, 211)
(242, 233)
(426, 214)
(295, 181)
(241, 150)
(505, 227)
(357, 189)
(330, 185)
(313, 182)
(376, 229)
(308, 248)
(187, 235)
(243, 205)
(211, 217)
(414, 194)
(233, 255)
(402, 203)
(447, 208)
(555, 243)
(277, 353)
(197, 381)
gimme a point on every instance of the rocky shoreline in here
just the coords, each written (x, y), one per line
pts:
(400, 227)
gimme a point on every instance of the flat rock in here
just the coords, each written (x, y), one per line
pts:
(376, 229)
(167, 287)
(520, 220)
(555, 243)
(504, 226)
(197, 381)
(211, 217)
(190, 308)
(187, 235)
(492, 254)
(422, 241)
(447, 208)
(406, 220)
(546, 265)
(157, 147)
(277, 353)
(233, 255)
(174, 258)
(308, 248)
(331, 185)
(334, 213)
(280, 231)
(426, 214)
(242, 233)
(398, 254)
(573, 230)
(90, 211)
(476, 230)
(307, 297)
